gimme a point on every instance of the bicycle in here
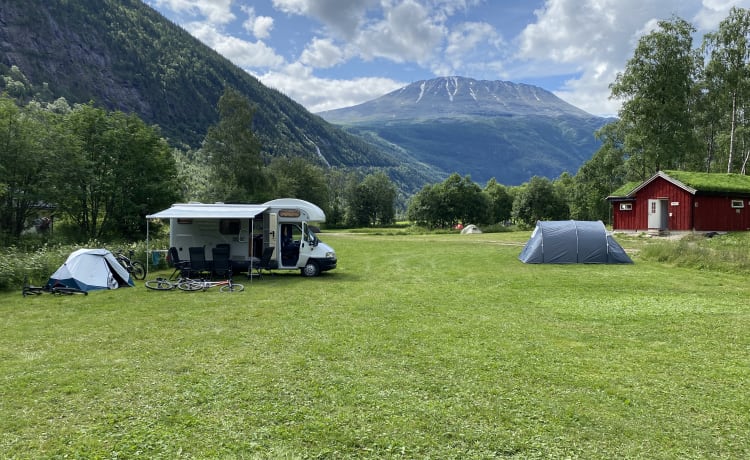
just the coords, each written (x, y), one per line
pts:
(29, 289)
(162, 284)
(133, 267)
(227, 285)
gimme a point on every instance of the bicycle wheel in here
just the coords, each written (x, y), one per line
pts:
(68, 291)
(160, 284)
(32, 290)
(234, 287)
(190, 285)
(139, 272)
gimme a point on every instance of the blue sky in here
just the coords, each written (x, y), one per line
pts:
(327, 54)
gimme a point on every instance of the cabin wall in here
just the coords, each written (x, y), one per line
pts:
(624, 219)
(716, 213)
(679, 203)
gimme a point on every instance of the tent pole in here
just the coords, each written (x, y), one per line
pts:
(252, 248)
(147, 254)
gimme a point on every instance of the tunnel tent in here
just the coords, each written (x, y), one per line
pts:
(572, 242)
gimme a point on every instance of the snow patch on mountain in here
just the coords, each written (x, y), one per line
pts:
(421, 91)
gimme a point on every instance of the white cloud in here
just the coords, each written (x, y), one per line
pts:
(321, 53)
(215, 11)
(473, 48)
(259, 26)
(242, 53)
(592, 39)
(320, 94)
(343, 18)
(715, 11)
(407, 33)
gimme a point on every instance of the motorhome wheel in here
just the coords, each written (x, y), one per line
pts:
(310, 269)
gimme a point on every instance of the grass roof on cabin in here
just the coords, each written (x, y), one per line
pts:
(703, 182)
(712, 182)
(625, 189)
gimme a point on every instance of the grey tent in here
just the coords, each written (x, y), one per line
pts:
(572, 242)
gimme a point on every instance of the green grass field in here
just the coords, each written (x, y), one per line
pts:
(416, 346)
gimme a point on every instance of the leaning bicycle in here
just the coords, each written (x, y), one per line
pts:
(133, 267)
(227, 285)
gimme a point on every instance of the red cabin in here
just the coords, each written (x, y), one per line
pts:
(683, 201)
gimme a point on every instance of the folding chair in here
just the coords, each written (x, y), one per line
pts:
(265, 263)
(199, 266)
(180, 266)
(221, 266)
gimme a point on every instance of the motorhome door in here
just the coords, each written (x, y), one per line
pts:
(273, 228)
(291, 240)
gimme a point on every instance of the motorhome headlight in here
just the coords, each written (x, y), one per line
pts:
(330, 255)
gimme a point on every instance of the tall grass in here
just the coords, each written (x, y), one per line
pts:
(416, 346)
(728, 252)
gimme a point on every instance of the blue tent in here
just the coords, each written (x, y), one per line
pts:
(572, 242)
(89, 270)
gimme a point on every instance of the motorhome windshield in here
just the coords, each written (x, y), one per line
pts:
(311, 237)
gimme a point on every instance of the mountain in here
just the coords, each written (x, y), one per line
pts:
(124, 55)
(485, 129)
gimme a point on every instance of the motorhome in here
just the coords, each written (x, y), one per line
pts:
(285, 225)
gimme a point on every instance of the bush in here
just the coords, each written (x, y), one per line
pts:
(17, 264)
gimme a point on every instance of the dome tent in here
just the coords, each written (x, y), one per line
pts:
(572, 242)
(89, 270)
(471, 228)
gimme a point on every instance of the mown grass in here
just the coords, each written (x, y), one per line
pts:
(417, 346)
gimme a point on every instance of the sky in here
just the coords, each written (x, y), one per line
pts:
(329, 54)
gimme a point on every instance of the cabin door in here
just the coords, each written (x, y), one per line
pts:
(658, 214)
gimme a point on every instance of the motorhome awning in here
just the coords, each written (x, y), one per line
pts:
(209, 211)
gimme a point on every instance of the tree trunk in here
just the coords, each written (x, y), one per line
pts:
(731, 132)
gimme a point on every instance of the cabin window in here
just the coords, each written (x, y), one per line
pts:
(626, 206)
(738, 204)
(229, 226)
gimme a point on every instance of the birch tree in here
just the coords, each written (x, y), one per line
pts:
(657, 90)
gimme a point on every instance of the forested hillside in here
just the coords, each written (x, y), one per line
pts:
(123, 55)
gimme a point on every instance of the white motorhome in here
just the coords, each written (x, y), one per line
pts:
(248, 229)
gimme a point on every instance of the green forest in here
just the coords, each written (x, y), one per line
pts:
(96, 173)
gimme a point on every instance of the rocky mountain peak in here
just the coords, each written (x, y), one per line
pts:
(455, 97)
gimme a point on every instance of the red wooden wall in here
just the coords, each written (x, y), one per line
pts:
(716, 213)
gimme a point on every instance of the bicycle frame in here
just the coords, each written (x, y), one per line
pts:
(192, 284)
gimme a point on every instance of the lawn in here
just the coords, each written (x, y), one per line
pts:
(416, 346)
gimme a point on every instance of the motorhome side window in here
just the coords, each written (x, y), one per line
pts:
(229, 226)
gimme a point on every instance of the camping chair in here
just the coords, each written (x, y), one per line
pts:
(180, 266)
(221, 267)
(265, 263)
(198, 264)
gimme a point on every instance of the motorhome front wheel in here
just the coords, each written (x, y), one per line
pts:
(311, 269)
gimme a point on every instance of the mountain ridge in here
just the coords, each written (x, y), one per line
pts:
(459, 96)
(485, 129)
